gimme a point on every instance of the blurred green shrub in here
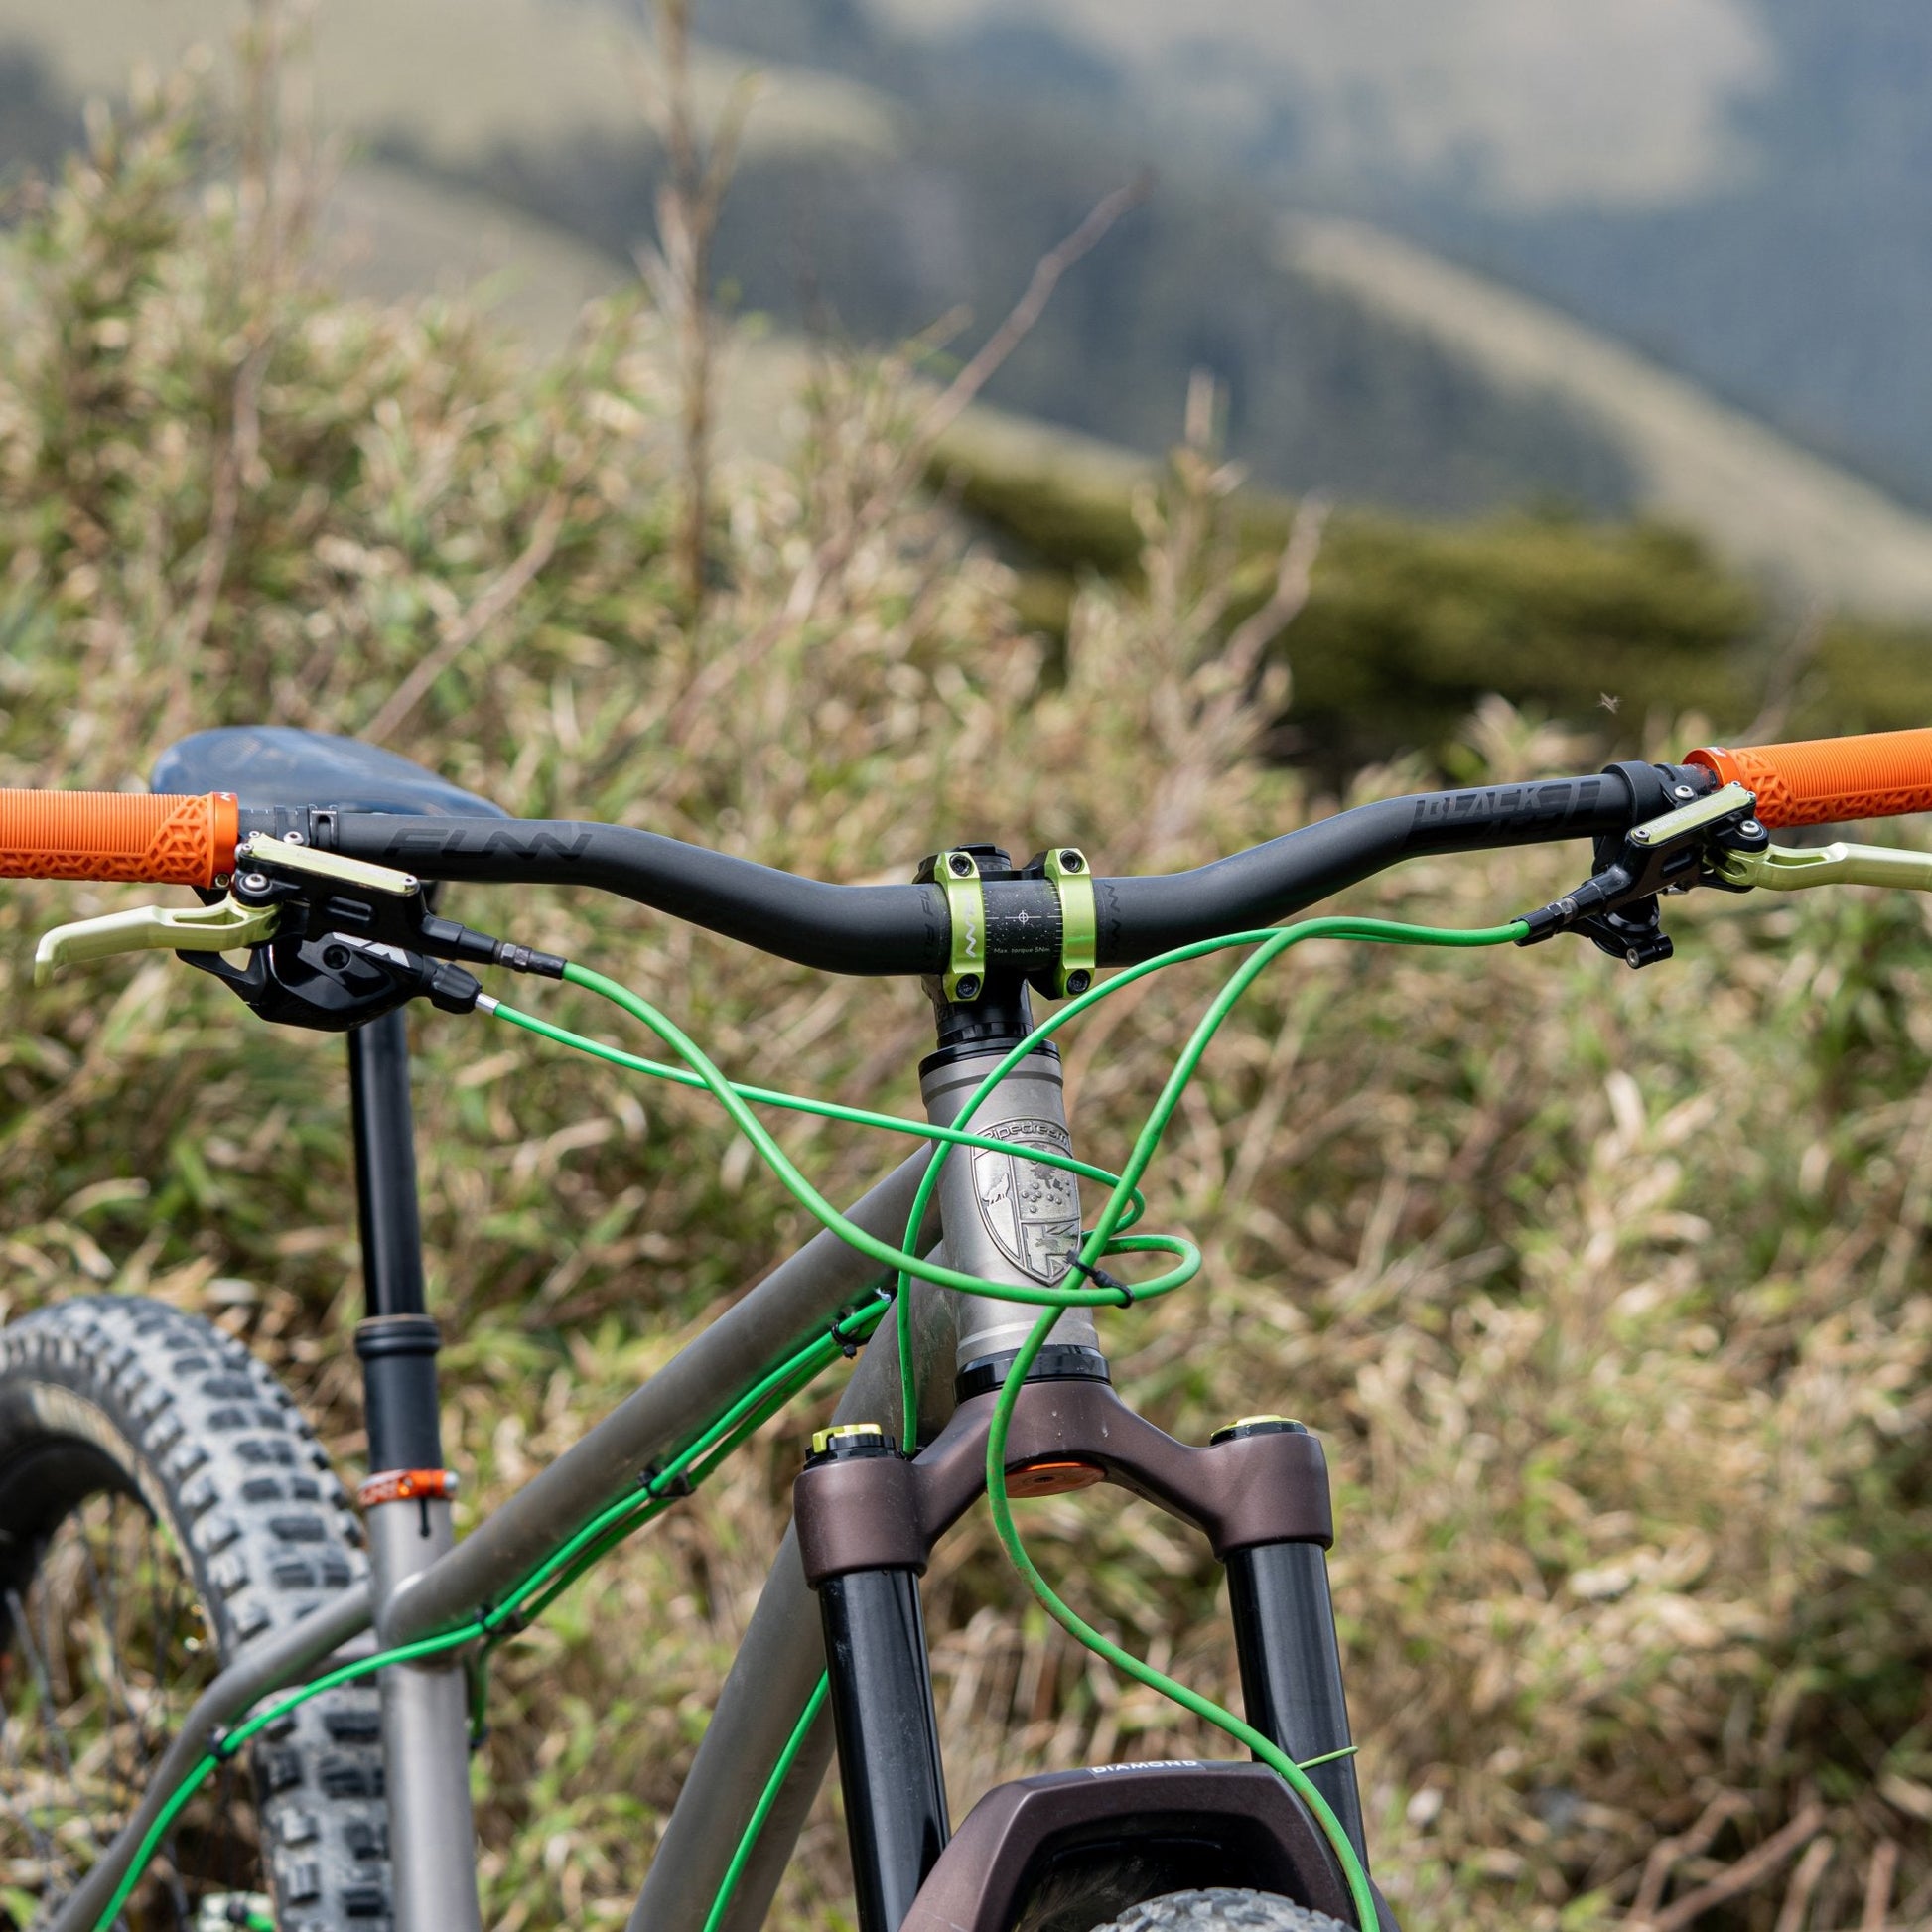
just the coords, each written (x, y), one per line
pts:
(1600, 624)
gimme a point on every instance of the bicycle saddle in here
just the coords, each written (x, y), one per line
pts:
(276, 765)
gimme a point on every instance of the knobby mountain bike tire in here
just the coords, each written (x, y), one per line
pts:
(1113, 1892)
(162, 1504)
(1221, 1909)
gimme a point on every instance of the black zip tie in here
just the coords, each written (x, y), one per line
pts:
(499, 1625)
(223, 1748)
(1100, 1278)
(848, 1345)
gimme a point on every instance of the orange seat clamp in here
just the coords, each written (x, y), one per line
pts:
(408, 1486)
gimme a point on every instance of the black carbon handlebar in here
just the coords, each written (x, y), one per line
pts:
(904, 929)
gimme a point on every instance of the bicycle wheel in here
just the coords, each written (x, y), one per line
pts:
(162, 1504)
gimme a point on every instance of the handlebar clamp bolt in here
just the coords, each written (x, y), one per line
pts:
(968, 987)
(961, 865)
(1073, 861)
(1077, 983)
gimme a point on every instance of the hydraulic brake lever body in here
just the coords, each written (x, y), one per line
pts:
(333, 941)
(1716, 840)
(1618, 907)
(348, 945)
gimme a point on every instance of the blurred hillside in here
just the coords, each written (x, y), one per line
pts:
(1739, 187)
(868, 216)
(881, 187)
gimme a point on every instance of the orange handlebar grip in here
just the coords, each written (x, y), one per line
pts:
(1824, 780)
(150, 837)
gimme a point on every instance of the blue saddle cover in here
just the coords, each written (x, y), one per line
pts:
(276, 765)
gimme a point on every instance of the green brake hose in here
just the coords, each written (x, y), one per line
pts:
(786, 1379)
(1272, 942)
(755, 1825)
(796, 1103)
(692, 1464)
(1187, 1255)
(1104, 1239)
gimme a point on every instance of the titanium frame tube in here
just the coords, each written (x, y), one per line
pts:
(799, 1297)
(779, 1660)
(1006, 1218)
(425, 1743)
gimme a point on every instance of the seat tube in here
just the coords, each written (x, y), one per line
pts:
(1006, 1218)
(406, 1501)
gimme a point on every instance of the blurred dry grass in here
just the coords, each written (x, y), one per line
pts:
(1606, 1291)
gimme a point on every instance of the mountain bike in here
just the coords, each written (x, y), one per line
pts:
(235, 1696)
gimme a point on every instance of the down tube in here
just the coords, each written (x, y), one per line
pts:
(796, 1301)
(777, 1663)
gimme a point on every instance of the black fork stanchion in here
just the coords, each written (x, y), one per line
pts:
(1290, 1662)
(883, 1715)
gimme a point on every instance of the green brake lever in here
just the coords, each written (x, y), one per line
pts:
(153, 928)
(1790, 869)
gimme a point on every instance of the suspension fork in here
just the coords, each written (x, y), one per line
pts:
(868, 1519)
(1008, 1219)
(406, 1500)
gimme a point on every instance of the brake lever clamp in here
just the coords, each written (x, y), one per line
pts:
(1618, 908)
(351, 941)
